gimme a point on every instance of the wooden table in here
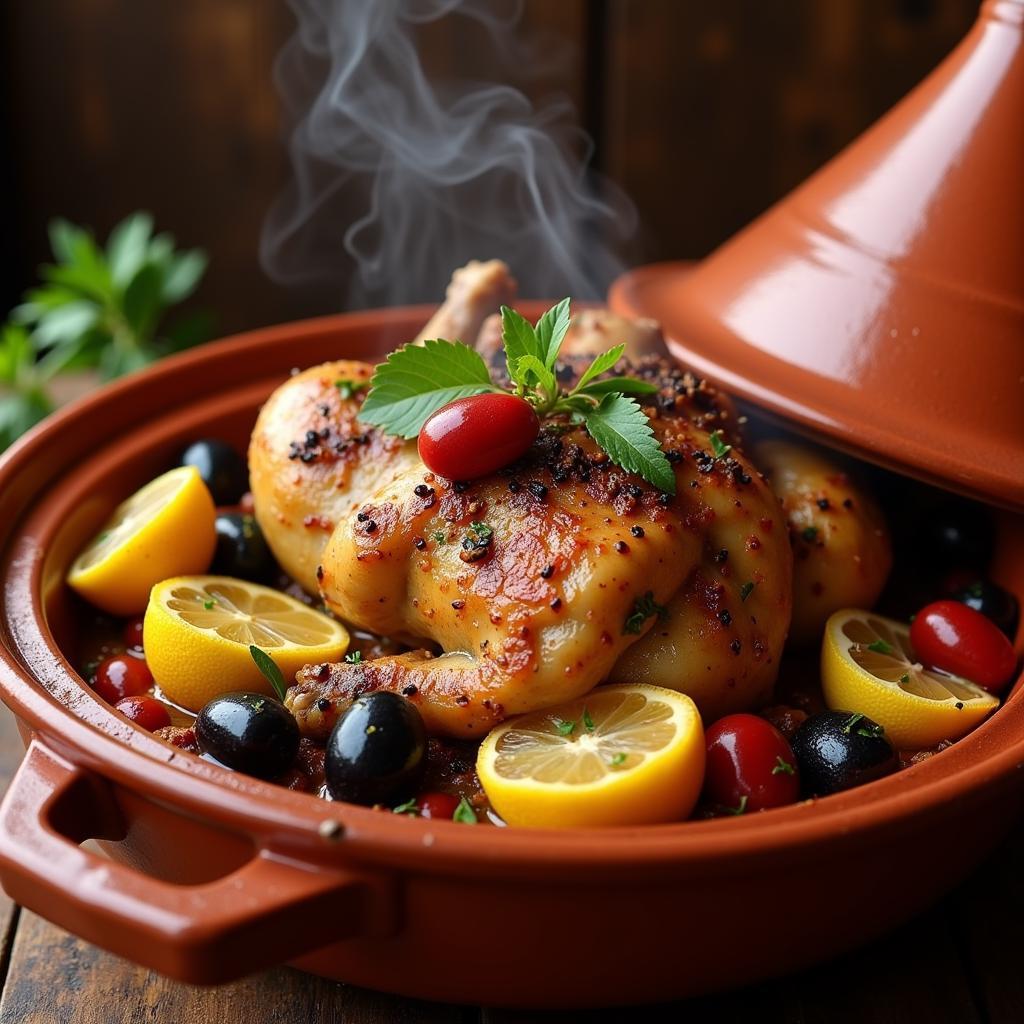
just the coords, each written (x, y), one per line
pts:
(959, 963)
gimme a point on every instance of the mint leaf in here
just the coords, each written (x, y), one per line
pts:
(605, 361)
(551, 330)
(530, 365)
(417, 380)
(519, 339)
(621, 428)
(270, 670)
(618, 385)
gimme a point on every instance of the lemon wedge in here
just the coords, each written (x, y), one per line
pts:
(198, 630)
(869, 666)
(162, 530)
(623, 755)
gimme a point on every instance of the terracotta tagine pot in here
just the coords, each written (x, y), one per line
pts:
(214, 874)
(881, 304)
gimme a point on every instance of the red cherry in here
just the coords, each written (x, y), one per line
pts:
(475, 436)
(122, 675)
(437, 805)
(132, 634)
(954, 638)
(146, 712)
(750, 766)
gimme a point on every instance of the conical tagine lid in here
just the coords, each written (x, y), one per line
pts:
(882, 302)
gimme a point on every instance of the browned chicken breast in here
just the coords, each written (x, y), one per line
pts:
(531, 586)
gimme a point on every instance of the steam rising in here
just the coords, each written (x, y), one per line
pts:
(399, 178)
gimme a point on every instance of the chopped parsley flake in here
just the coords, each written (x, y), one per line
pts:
(880, 647)
(482, 530)
(564, 726)
(354, 658)
(782, 767)
(464, 813)
(739, 809)
(643, 608)
(618, 760)
(718, 447)
(588, 722)
(863, 726)
(209, 603)
(409, 807)
(851, 722)
(905, 678)
(347, 388)
(746, 590)
(439, 536)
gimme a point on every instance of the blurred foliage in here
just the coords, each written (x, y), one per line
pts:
(99, 309)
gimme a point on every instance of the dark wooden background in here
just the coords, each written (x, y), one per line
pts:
(704, 112)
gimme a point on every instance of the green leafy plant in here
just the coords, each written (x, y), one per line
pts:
(417, 380)
(98, 309)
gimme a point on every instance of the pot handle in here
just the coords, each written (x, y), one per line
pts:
(270, 910)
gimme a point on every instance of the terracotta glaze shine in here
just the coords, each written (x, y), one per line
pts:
(882, 302)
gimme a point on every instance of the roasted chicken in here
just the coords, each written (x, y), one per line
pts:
(529, 587)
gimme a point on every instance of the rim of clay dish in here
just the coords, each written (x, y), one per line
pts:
(45, 692)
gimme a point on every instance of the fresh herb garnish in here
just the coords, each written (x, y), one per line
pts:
(880, 647)
(270, 670)
(417, 380)
(588, 722)
(739, 809)
(464, 813)
(564, 726)
(409, 807)
(810, 534)
(782, 767)
(482, 530)
(864, 727)
(439, 537)
(905, 678)
(348, 387)
(745, 590)
(617, 760)
(719, 449)
(643, 608)
(209, 603)
(354, 657)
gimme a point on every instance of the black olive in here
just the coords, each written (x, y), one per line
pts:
(838, 750)
(376, 751)
(993, 602)
(223, 470)
(249, 732)
(956, 534)
(241, 549)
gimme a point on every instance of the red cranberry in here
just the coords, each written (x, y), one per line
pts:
(750, 766)
(954, 638)
(474, 436)
(132, 634)
(122, 675)
(437, 805)
(146, 712)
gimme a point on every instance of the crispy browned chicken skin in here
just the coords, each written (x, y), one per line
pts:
(588, 573)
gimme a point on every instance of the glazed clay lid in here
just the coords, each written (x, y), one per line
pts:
(882, 302)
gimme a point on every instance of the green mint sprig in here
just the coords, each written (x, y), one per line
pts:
(417, 380)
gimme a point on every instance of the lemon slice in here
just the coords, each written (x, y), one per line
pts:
(162, 530)
(198, 629)
(623, 755)
(869, 666)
